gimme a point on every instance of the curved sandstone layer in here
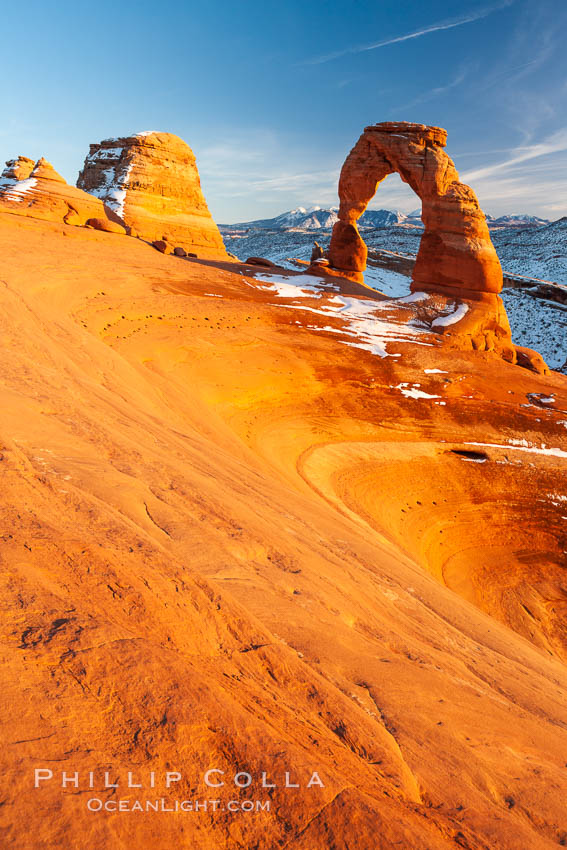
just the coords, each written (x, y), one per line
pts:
(151, 181)
(39, 191)
(224, 529)
(456, 257)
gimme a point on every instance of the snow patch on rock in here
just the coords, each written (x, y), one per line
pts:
(20, 189)
(452, 318)
(524, 446)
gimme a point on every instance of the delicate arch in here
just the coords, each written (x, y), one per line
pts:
(456, 255)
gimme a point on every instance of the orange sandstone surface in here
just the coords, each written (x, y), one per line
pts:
(268, 523)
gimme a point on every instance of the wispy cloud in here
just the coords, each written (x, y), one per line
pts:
(524, 83)
(512, 73)
(532, 178)
(525, 192)
(441, 25)
(438, 91)
(261, 174)
(552, 144)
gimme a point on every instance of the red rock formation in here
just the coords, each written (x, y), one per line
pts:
(151, 181)
(456, 254)
(41, 192)
(456, 258)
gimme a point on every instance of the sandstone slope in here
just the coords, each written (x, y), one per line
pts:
(267, 522)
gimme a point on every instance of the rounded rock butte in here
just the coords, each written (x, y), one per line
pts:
(456, 257)
(151, 181)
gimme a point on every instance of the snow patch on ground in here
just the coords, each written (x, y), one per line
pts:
(296, 286)
(524, 446)
(536, 252)
(413, 298)
(413, 391)
(393, 284)
(538, 324)
(361, 317)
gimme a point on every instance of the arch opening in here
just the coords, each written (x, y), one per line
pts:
(396, 196)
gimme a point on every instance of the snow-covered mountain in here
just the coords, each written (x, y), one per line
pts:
(520, 221)
(316, 218)
(323, 218)
(382, 218)
(310, 218)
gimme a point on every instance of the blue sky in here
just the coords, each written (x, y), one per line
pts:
(271, 96)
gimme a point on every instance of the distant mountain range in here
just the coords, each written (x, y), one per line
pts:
(320, 218)
(519, 221)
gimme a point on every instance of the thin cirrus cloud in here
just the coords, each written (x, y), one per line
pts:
(441, 25)
(242, 172)
(530, 176)
(552, 144)
(436, 92)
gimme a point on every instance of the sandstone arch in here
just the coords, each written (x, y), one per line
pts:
(456, 258)
(456, 255)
